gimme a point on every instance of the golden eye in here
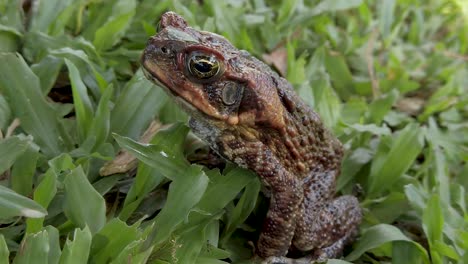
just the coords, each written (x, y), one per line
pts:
(203, 66)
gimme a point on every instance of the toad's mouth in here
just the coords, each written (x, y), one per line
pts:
(192, 104)
(153, 77)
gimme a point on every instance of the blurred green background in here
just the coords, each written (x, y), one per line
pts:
(390, 77)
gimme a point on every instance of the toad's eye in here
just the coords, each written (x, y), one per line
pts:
(203, 66)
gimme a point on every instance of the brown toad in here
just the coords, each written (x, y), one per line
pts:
(252, 117)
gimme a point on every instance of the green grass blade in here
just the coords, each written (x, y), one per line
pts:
(340, 75)
(13, 204)
(165, 156)
(47, 71)
(386, 16)
(111, 32)
(4, 252)
(43, 195)
(106, 245)
(34, 249)
(136, 106)
(45, 14)
(76, 251)
(38, 118)
(54, 245)
(243, 208)
(389, 165)
(83, 205)
(5, 113)
(11, 149)
(184, 193)
(379, 235)
(23, 171)
(100, 124)
(147, 179)
(226, 188)
(83, 106)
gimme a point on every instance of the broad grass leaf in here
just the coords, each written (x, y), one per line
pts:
(136, 106)
(389, 165)
(132, 251)
(12, 16)
(5, 113)
(172, 113)
(386, 16)
(189, 182)
(389, 208)
(43, 195)
(352, 163)
(225, 188)
(445, 250)
(401, 253)
(101, 14)
(371, 128)
(11, 149)
(61, 163)
(9, 39)
(340, 75)
(286, 10)
(13, 204)
(189, 244)
(84, 110)
(47, 71)
(154, 156)
(38, 118)
(54, 244)
(416, 197)
(243, 208)
(335, 5)
(379, 108)
(83, 205)
(105, 184)
(77, 250)
(23, 171)
(433, 220)
(111, 32)
(378, 235)
(318, 92)
(172, 139)
(46, 13)
(34, 249)
(90, 72)
(106, 244)
(4, 252)
(184, 193)
(100, 124)
(146, 179)
(295, 66)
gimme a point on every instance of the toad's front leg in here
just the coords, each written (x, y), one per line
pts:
(286, 195)
(280, 222)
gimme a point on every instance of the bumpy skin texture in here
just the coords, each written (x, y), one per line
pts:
(251, 116)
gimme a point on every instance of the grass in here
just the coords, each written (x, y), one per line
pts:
(389, 77)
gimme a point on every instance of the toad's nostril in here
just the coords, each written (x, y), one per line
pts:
(165, 50)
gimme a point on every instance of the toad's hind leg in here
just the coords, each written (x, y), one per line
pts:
(325, 224)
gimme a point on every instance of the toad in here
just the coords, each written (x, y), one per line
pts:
(251, 116)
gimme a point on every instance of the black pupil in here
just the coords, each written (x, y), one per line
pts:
(203, 66)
